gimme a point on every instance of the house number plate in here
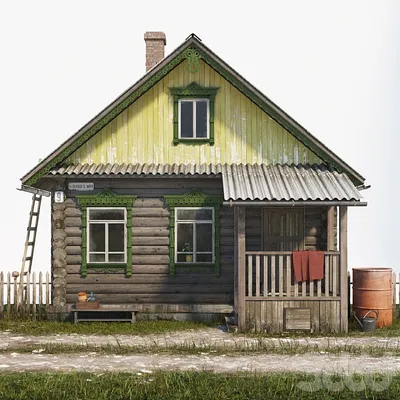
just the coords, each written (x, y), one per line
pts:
(81, 186)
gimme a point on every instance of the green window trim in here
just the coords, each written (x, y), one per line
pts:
(107, 198)
(193, 90)
(193, 199)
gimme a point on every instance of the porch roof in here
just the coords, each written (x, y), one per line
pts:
(242, 181)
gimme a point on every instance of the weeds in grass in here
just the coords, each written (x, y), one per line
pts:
(98, 328)
(232, 348)
(195, 386)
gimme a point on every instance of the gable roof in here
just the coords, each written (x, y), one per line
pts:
(191, 49)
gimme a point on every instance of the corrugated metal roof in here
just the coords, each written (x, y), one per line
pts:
(284, 182)
(243, 182)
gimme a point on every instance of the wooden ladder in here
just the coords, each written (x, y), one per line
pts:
(30, 241)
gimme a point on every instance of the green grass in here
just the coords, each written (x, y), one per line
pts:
(98, 328)
(235, 348)
(193, 386)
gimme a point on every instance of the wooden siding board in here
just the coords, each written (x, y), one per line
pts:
(243, 133)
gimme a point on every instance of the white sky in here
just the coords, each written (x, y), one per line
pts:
(332, 65)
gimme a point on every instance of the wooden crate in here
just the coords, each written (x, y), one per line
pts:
(88, 305)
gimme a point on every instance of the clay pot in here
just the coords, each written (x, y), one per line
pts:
(82, 297)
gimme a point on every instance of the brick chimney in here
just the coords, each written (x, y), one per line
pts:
(155, 43)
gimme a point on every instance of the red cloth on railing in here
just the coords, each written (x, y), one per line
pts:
(300, 265)
(316, 265)
(308, 265)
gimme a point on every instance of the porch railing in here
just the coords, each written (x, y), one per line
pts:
(270, 274)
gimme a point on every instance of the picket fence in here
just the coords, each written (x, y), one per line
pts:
(33, 301)
(36, 295)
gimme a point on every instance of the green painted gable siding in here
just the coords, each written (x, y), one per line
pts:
(143, 133)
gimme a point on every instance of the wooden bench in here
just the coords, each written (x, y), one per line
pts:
(80, 315)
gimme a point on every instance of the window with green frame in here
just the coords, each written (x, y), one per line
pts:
(194, 231)
(194, 114)
(106, 232)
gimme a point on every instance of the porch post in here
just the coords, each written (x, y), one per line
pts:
(344, 294)
(330, 220)
(240, 264)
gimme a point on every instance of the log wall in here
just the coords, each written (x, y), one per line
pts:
(150, 282)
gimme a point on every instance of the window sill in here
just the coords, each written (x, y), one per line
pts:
(194, 141)
(108, 267)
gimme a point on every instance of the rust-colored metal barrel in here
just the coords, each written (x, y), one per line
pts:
(372, 290)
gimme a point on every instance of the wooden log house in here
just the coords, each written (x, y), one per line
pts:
(188, 195)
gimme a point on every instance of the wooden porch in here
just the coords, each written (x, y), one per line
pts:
(268, 297)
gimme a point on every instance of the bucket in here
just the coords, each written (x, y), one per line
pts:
(372, 290)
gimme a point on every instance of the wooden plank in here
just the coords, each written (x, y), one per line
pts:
(73, 250)
(34, 296)
(240, 226)
(297, 318)
(265, 265)
(149, 231)
(150, 241)
(73, 222)
(334, 277)
(15, 297)
(72, 212)
(303, 288)
(8, 295)
(249, 276)
(150, 212)
(40, 294)
(47, 288)
(73, 241)
(273, 275)
(145, 222)
(181, 278)
(186, 298)
(150, 288)
(27, 303)
(311, 288)
(331, 228)
(288, 276)
(262, 316)
(319, 288)
(148, 250)
(327, 268)
(148, 259)
(148, 203)
(280, 258)
(293, 298)
(258, 282)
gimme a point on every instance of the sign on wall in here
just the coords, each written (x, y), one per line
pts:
(81, 186)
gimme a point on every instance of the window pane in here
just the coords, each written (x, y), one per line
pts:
(97, 258)
(203, 257)
(116, 241)
(204, 237)
(185, 238)
(185, 258)
(107, 215)
(97, 235)
(191, 215)
(116, 257)
(201, 119)
(186, 119)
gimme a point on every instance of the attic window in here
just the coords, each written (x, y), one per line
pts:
(194, 114)
(194, 117)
